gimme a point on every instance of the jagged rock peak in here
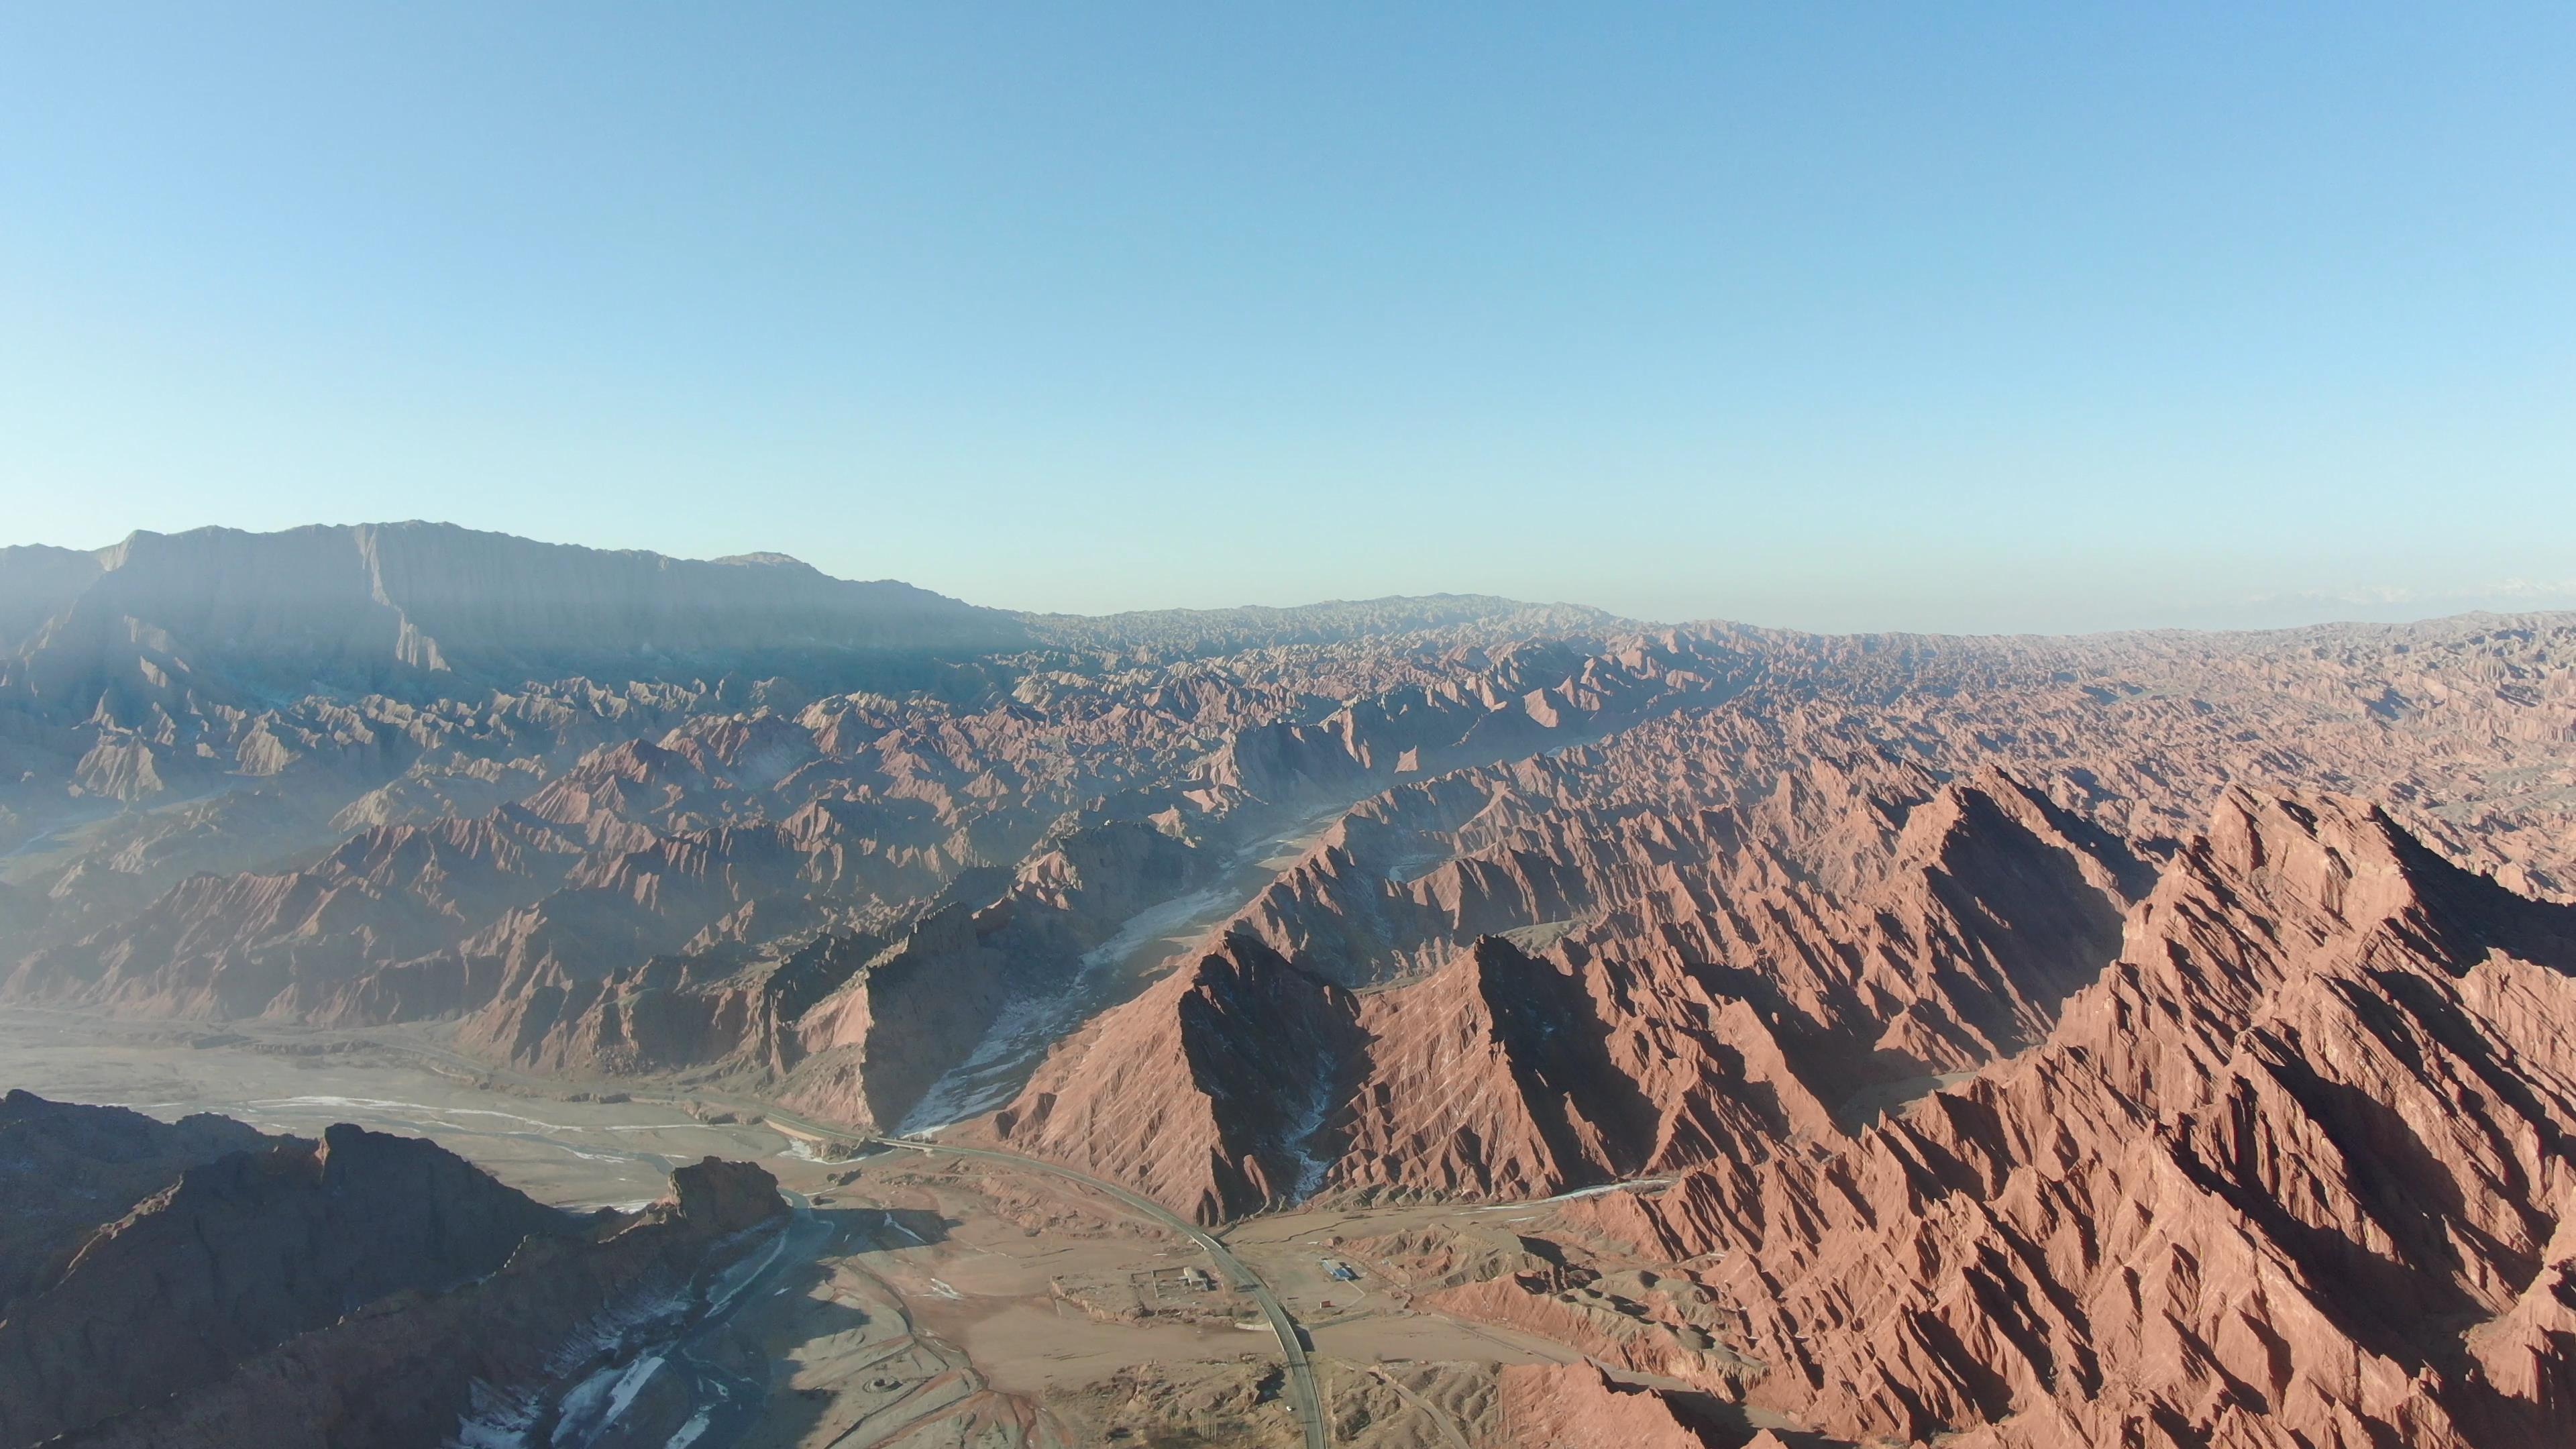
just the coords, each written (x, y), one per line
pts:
(725, 1197)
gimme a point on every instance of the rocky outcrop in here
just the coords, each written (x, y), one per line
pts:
(795, 786)
(867, 1052)
(1507, 1075)
(66, 1168)
(629, 902)
(489, 1360)
(720, 1198)
(235, 946)
(196, 1282)
(2292, 1172)
(243, 1252)
(1245, 1081)
(1210, 1091)
(841, 1023)
(1749, 966)
(1577, 1406)
(1591, 901)
(1885, 924)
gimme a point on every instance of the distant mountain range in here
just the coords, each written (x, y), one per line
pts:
(2134, 1038)
(424, 610)
(380, 605)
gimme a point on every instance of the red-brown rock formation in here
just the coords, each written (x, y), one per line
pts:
(2293, 1172)
(361, 1290)
(1577, 1406)
(242, 1252)
(487, 1360)
(1885, 924)
(1749, 967)
(1208, 1091)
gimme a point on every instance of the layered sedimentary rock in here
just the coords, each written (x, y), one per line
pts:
(2292, 1167)
(831, 900)
(1245, 1081)
(1895, 923)
(2294, 1171)
(1208, 1091)
(1860, 882)
(1745, 969)
(1576, 1406)
(685, 801)
(1505, 901)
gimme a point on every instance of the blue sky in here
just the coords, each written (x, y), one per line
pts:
(1841, 316)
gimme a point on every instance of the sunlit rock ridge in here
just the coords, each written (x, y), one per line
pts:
(2141, 1037)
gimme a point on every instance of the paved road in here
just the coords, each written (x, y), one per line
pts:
(1302, 1394)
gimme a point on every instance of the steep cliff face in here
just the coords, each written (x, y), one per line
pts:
(633, 903)
(242, 1252)
(866, 1053)
(2294, 1171)
(198, 1283)
(1513, 1076)
(2263, 1120)
(1576, 1406)
(2293, 1168)
(1209, 1091)
(66, 1168)
(1819, 832)
(1746, 970)
(1245, 1081)
(36, 583)
(490, 1359)
(1886, 924)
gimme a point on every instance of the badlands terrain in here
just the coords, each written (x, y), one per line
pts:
(778, 1010)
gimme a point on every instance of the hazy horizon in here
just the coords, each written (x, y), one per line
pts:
(2013, 320)
(1648, 726)
(2258, 614)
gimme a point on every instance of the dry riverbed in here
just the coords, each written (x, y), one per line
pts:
(953, 1302)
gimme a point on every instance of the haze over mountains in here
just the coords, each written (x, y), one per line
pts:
(378, 604)
(2146, 1038)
